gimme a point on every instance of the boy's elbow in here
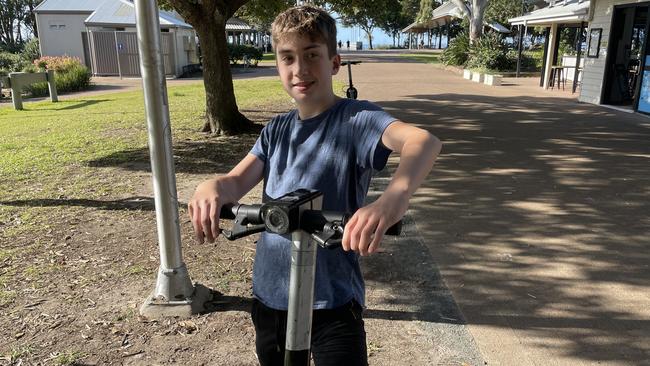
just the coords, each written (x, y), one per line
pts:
(436, 143)
(432, 143)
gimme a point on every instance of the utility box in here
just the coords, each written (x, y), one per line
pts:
(359, 46)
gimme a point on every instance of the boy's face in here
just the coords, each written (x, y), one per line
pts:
(306, 70)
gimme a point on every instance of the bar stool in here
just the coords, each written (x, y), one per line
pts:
(557, 72)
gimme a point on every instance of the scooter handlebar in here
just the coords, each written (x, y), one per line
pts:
(312, 221)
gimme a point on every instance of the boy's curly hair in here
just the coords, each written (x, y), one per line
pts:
(306, 20)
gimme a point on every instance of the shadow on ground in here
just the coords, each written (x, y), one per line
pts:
(537, 212)
(216, 155)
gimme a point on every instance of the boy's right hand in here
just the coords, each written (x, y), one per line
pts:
(205, 205)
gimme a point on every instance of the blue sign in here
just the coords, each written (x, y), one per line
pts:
(644, 93)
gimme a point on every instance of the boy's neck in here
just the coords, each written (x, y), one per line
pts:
(306, 111)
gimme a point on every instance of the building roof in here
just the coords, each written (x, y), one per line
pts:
(445, 14)
(122, 13)
(558, 12)
(236, 24)
(68, 6)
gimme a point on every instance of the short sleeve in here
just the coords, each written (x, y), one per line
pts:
(261, 147)
(370, 123)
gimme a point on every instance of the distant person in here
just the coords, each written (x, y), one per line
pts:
(340, 44)
(348, 44)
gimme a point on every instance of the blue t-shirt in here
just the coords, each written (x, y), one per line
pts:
(334, 153)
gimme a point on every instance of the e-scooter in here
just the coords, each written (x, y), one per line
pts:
(297, 213)
(351, 92)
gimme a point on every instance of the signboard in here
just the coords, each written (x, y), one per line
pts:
(644, 93)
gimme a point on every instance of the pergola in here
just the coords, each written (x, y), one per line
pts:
(238, 32)
(572, 13)
(441, 17)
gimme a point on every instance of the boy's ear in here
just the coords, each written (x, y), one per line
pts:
(336, 64)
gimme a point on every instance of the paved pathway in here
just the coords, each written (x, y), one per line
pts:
(536, 214)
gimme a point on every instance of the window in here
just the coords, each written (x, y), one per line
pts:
(57, 26)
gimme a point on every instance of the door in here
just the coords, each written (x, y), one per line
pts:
(626, 55)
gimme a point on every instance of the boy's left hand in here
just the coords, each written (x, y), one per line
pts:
(365, 230)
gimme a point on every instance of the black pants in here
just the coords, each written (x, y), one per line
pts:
(338, 336)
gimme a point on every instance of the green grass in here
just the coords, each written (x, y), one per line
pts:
(19, 352)
(7, 297)
(68, 358)
(268, 57)
(40, 145)
(429, 58)
(55, 154)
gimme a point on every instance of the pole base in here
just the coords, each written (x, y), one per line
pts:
(156, 307)
(296, 358)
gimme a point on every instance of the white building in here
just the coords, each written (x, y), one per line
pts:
(613, 69)
(102, 34)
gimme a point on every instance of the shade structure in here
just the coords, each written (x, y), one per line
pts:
(558, 12)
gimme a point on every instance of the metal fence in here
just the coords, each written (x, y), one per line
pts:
(111, 53)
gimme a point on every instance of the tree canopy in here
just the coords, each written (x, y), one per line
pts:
(17, 22)
(260, 13)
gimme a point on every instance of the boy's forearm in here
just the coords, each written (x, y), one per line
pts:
(416, 161)
(243, 177)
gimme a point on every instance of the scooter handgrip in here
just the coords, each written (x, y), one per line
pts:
(395, 230)
(228, 211)
(323, 216)
(251, 213)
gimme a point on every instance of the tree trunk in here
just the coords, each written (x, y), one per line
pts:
(32, 19)
(475, 15)
(222, 114)
(476, 20)
(369, 36)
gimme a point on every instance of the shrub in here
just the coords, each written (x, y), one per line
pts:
(70, 75)
(30, 68)
(57, 63)
(236, 53)
(31, 51)
(457, 52)
(488, 53)
(529, 60)
(10, 62)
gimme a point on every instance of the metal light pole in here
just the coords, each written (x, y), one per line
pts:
(174, 294)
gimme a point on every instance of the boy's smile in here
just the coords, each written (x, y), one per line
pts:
(306, 70)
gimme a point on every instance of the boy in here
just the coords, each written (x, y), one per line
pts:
(332, 145)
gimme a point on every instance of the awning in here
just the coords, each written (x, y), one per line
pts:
(416, 27)
(236, 24)
(445, 14)
(558, 12)
(122, 14)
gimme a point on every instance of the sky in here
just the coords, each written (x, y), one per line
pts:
(380, 38)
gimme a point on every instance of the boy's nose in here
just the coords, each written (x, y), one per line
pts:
(301, 67)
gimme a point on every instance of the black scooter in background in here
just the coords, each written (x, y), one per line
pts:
(351, 92)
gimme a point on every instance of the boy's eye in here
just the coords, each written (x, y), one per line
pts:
(286, 59)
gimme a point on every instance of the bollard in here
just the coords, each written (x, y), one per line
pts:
(51, 85)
